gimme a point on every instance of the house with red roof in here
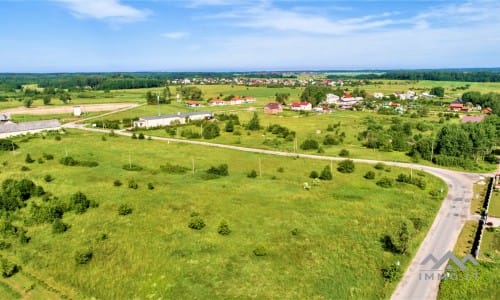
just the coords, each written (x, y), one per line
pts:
(273, 108)
(236, 101)
(192, 103)
(215, 102)
(305, 106)
(456, 107)
(487, 111)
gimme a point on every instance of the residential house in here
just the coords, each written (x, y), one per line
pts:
(192, 103)
(487, 111)
(236, 101)
(456, 107)
(304, 106)
(215, 102)
(332, 99)
(249, 99)
(167, 120)
(273, 108)
(8, 129)
(378, 95)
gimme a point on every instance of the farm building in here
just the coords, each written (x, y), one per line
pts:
(301, 106)
(192, 103)
(167, 120)
(273, 108)
(8, 129)
(217, 102)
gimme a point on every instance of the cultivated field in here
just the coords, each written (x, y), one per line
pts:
(322, 243)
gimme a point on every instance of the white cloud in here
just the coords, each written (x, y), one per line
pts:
(175, 35)
(104, 10)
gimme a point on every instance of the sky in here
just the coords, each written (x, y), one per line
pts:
(240, 35)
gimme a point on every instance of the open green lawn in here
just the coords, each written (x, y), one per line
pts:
(335, 252)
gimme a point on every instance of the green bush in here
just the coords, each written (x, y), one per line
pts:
(196, 223)
(385, 182)
(68, 161)
(221, 170)
(25, 168)
(260, 251)
(309, 144)
(83, 256)
(173, 169)
(117, 183)
(58, 226)
(8, 269)
(223, 228)
(28, 159)
(211, 131)
(150, 186)
(346, 166)
(141, 136)
(79, 203)
(326, 174)
(392, 272)
(134, 136)
(124, 209)
(132, 184)
(344, 153)
(47, 156)
(379, 166)
(370, 175)
(252, 174)
(132, 167)
(313, 174)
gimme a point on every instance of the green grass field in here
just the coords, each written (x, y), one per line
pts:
(335, 253)
(494, 208)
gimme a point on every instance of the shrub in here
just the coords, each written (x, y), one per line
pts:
(392, 272)
(385, 182)
(88, 163)
(68, 161)
(132, 167)
(281, 170)
(221, 170)
(28, 159)
(79, 202)
(117, 183)
(173, 169)
(196, 223)
(57, 138)
(370, 175)
(134, 136)
(58, 226)
(309, 144)
(223, 228)
(124, 209)
(260, 251)
(379, 166)
(83, 256)
(40, 160)
(150, 186)
(344, 153)
(8, 269)
(211, 131)
(132, 184)
(313, 174)
(295, 231)
(4, 245)
(346, 166)
(7, 145)
(23, 238)
(252, 174)
(326, 174)
(141, 136)
(47, 156)
(25, 168)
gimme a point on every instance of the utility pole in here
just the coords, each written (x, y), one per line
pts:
(158, 99)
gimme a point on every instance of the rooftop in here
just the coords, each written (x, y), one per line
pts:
(26, 126)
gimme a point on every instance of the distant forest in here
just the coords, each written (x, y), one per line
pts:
(437, 75)
(109, 81)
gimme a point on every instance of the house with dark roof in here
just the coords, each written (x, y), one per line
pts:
(167, 120)
(8, 129)
(273, 108)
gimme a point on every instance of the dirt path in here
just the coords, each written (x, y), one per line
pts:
(68, 109)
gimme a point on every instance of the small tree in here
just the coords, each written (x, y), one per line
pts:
(196, 223)
(223, 228)
(385, 182)
(211, 131)
(28, 159)
(260, 251)
(326, 174)
(58, 226)
(254, 123)
(83, 256)
(117, 183)
(27, 102)
(370, 175)
(392, 272)
(252, 174)
(124, 209)
(46, 100)
(134, 136)
(403, 238)
(344, 153)
(314, 174)
(229, 126)
(309, 144)
(141, 136)
(346, 166)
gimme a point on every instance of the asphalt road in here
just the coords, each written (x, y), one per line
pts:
(441, 237)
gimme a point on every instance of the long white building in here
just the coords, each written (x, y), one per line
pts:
(167, 120)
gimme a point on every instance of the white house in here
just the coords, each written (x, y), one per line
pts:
(8, 129)
(332, 99)
(77, 111)
(306, 106)
(215, 102)
(167, 120)
(249, 99)
(236, 101)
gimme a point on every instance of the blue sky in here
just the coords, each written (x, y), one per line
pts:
(230, 35)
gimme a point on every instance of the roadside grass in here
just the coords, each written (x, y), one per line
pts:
(494, 208)
(336, 252)
(63, 118)
(477, 282)
(466, 238)
(479, 191)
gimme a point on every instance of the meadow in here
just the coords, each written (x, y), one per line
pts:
(322, 243)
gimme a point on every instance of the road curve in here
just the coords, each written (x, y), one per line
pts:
(441, 237)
